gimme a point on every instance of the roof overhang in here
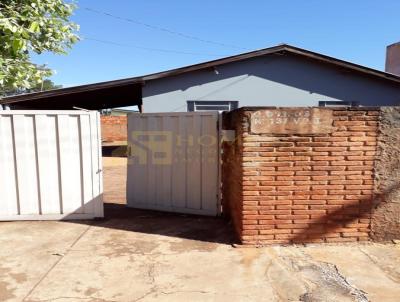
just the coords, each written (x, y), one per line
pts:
(126, 92)
(91, 97)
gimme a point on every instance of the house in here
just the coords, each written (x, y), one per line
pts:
(282, 75)
(116, 112)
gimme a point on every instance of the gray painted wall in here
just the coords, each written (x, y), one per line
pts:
(272, 80)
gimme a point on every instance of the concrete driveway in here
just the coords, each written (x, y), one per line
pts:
(149, 256)
(135, 255)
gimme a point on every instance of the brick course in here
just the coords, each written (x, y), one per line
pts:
(301, 188)
(114, 128)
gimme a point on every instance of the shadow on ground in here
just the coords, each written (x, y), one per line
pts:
(193, 227)
(118, 216)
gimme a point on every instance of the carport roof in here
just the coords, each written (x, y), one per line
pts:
(127, 92)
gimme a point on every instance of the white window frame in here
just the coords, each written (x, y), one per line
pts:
(197, 105)
(338, 104)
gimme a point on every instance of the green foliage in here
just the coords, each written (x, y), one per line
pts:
(31, 26)
(43, 86)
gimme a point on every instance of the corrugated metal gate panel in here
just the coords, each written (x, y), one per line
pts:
(50, 165)
(174, 162)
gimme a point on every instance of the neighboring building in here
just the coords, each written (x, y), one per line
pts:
(117, 112)
(278, 76)
(393, 59)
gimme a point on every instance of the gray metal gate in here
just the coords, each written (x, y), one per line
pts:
(173, 162)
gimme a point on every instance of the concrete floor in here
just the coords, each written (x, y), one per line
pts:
(149, 258)
(135, 255)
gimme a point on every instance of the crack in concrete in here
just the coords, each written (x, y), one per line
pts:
(325, 276)
(91, 299)
(266, 276)
(152, 277)
(156, 290)
(148, 293)
(387, 272)
(359, 294)
(135, 253)
(285, 270)
(56, 263)
(186, 291)
(150, 273)
(333, 278)
(331, 274)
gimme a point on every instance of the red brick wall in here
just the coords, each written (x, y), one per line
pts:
(302, 188)
(113, 128)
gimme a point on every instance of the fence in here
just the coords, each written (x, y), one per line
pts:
(313, 174)
(50, 165)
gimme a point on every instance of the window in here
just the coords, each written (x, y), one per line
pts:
(338, 104)
(212, 105)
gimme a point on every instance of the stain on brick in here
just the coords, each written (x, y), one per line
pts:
(291, 121)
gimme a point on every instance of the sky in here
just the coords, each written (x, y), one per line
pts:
(162, 34)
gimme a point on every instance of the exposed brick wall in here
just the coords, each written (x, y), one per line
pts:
(113, 128)
(302, 188)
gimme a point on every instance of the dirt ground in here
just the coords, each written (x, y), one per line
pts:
(114, 178)
(134, 255)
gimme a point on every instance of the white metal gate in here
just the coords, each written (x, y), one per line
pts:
(173, 162)
(50, 165)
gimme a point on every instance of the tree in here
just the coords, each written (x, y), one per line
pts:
(32, 26)
(43, 86)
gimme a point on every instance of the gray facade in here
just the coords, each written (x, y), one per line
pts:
(270, 80)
